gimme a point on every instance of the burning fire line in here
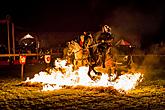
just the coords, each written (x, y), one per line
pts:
(57, 78)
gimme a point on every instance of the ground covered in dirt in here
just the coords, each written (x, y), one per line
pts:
(147, 95)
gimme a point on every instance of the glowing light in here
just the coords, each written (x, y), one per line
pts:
(128, 81)
(63, 75)
(48, 87)
(28, 36)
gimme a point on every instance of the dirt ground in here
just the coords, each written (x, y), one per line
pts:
(148, 95)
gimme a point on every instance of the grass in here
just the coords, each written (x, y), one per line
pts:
(147, 95)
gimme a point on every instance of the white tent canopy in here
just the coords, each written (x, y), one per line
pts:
(27, 39)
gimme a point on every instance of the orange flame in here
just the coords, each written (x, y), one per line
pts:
(80, 77)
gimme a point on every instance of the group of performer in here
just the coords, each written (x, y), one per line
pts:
(102, 43)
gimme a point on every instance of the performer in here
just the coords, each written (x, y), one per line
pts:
(88, 45)
(105, 40)
(82, 41)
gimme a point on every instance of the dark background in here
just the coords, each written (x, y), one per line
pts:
(136, 19)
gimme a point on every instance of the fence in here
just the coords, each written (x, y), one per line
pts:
(6, 59)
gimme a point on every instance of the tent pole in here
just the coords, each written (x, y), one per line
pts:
(8, 34)
(13, 40)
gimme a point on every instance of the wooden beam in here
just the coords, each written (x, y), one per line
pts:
(32, 54)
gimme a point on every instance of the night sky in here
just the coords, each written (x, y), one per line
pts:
(126, 17)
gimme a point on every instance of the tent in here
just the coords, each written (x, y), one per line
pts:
(122, 43)
(27, 40)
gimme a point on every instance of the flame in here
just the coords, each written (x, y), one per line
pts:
(56, 79)
(128, 81)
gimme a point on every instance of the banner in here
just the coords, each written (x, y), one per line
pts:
(47, 58)
(22, 59)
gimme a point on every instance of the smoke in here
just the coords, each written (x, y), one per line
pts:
(133, 23)
(152, 65)
(139, 24)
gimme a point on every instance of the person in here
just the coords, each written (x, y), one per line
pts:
(88, 45)
(87, 39)
(105, 40)
(82, 41)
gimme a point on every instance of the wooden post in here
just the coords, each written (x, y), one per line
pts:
(22, 61)
(8, 34)
(13, 40)
(37, 47)
(22, 72)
